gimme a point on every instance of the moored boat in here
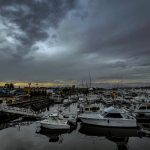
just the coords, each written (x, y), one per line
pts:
(143, 113)
(110, 117)
(55, 121)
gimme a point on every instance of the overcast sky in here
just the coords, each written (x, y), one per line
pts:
(46, 40)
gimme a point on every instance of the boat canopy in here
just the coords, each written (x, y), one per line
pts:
(112, 110)
(146, 106)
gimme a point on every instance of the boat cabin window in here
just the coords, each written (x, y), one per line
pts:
(86, 109)
(142, 107)
(148, 107)
(113, 115)
(54, 118)
(94, 109)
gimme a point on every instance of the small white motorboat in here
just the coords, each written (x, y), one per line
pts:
(110, 117)
(55, 121)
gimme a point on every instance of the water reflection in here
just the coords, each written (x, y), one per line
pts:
(121, 142)
(16, 124)
(102, 131)
(144, 129)
(117, 135)
(53, 135)
(24, 135)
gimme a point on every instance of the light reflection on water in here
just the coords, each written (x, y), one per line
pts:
(27, 136)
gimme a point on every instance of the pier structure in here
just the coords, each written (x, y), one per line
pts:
(21, 111)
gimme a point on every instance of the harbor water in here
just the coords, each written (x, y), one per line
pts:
(27, 135)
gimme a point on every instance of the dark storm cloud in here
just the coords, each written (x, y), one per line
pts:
(119, 31)
(121, 26)
(31, 17)
(67, 39)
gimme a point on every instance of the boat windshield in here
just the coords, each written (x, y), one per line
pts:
(113, 115)
(142, 107)
(54, 117)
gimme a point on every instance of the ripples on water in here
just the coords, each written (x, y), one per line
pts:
(27, 136)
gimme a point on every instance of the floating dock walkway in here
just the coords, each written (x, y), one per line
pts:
(20, 111)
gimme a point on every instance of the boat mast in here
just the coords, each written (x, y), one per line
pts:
(90, 79)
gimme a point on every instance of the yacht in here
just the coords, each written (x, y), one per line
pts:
(66, 102)
(87, 108)
(143, 111)
(55, 121)
(57, 99)
(109, 117)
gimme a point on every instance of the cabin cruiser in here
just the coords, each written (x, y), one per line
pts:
(109, 117)
(66, 102)
(55, 121)
(57, 99)
(87, 108)
(108, 102)
(92, 98)
(143, 111)
(74, 98)
(81, 98)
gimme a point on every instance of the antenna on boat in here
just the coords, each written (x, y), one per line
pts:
(86, 84)
(90, 79)
(82, 84)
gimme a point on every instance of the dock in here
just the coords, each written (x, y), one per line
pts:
(20, 111)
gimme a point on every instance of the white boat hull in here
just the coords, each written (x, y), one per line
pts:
(55, 126)
(109, 122)
(142, 114)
